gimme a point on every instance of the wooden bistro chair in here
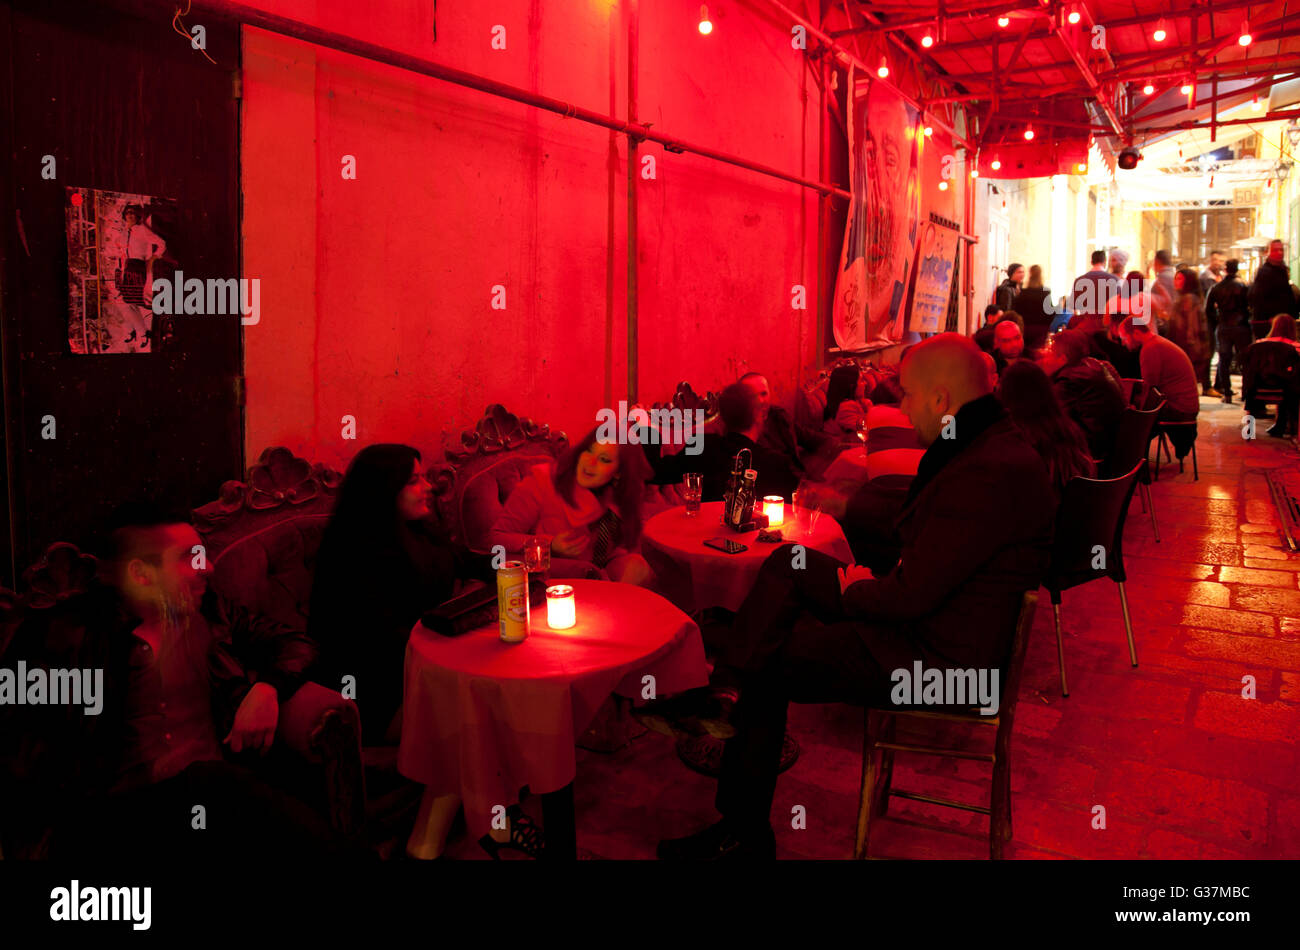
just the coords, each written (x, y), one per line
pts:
(879, 735)
(1132, 442)
(1091, 516)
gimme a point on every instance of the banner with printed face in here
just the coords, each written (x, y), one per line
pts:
(117, 248)
(931, 290)
(880, 240)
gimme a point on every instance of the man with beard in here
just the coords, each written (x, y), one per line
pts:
(185, 675)
(809, 450)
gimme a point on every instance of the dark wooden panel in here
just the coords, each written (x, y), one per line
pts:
(124, 104)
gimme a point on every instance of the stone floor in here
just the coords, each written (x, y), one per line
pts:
(1184, 766)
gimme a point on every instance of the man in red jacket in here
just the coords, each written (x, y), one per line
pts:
(811, 633)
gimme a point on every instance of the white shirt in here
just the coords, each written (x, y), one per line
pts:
(142, 243)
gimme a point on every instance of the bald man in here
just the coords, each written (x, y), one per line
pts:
(810, 632)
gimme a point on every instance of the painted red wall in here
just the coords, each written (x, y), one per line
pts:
(376, 292)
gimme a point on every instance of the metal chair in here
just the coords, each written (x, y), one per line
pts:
(1091, 517)
(873, 799)
(1132, 444)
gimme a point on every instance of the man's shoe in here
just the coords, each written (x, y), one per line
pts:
(1227, 399)
(696, 712)
(720, 842)
(1212, 393)
(1278, 431)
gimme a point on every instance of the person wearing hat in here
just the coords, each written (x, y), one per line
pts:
(1118, 261)
(1009, 289)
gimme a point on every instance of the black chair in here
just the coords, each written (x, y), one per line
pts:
(1180, 434)
(1132, 443)
(1270, 375)
(879, 734)
(1091, 517)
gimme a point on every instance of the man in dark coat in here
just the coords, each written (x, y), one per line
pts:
(1270, 292)
(808, 634)
(810, 450)
(1227, 306)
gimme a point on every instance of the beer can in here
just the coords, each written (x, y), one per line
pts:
(512, 601)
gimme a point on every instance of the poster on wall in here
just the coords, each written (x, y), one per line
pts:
(879, 242)
(117, 248)
(931, 286)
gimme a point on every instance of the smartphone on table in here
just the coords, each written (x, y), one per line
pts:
(726, 545)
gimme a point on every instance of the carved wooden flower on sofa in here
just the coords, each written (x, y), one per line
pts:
(62, 573)
(280, 477)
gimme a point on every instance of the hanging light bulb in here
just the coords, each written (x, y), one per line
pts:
(974, 172)
(1255, 104)
(1003, 21)
(1029, 133)
(995, 164)
(929, 131)
(1083, 168)
(706, 25)
(1186, 89)
(928, 39)
(1148, 89)
(943, 186)
(1245, 39)
(1160, 33)
(883, 69)
(1074, 15)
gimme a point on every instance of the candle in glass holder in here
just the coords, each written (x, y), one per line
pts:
(560, 612)
(774, 508)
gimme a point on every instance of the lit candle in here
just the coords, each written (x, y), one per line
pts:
(774, 508)
(560, 612)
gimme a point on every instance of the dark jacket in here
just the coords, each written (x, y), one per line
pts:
(983, 337)
(1227, 304)
(1127, 363)
(1035, 305)
(364, 604)
(976, 533)
(1270, 364)
(1271, 294)
(1007, 293)
(777, 472)
(1091, 393)
(787, 437)
(81, 754)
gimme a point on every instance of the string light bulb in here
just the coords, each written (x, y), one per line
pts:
(1148, 89)
(1074, 15)
(1245, 39)
(995, 164)
(1255, 104)
(1083, 168)
(1160, 32)
(706, 25)
(929, 131)
(928, 39)
(883, 69)
(943, 186)
(1186, 89)
(974, 172)
(1029, 133)
(1003, 21)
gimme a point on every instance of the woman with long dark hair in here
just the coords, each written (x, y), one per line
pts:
(381, 565)
(1032, 403)
(846, 402)
(589, 505)
(1188, 328)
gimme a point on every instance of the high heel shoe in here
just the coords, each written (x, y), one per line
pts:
(525, 836)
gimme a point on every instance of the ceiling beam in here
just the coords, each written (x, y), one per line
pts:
(1098, 92)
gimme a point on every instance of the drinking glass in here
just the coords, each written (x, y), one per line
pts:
(692, 491)
(862, 432)
(537, 555)
(806, 510)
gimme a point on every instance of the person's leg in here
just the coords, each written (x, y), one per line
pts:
(630, 569)
(429, 835)
(1222, 377)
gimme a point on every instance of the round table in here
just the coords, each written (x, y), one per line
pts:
(482, 718)
(695, 576)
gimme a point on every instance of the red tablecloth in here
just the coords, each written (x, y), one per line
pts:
(484, 718)
(694, 576)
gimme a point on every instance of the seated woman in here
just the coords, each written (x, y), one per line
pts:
(846, 402)
(1027, 393)
(1269, 363)
(589, 505)
(381, 565)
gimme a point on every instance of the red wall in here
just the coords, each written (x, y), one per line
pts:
(376, 292)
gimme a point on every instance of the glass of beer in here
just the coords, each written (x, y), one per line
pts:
(692, 492)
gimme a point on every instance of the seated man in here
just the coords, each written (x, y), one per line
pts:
(807, 634)
(984, 335)
(184, 675)
(1165, 366)
(809, 450)
(1107, 344)
(1089, 389)
(1008, 344)
(742, 425)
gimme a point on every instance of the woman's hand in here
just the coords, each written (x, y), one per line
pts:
(570, 543)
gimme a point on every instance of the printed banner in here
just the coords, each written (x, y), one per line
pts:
(931, 290)
(879, 242)
(117, 247)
